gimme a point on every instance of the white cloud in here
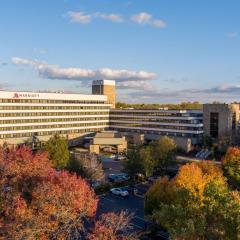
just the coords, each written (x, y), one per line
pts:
(221, 93)
(79, 17)
(136, 85)
(49, 71)
(158, 23)
(22, 61)
(146, 18)
(111, 17)
(142, 18)
(232, 34)
(40, 51)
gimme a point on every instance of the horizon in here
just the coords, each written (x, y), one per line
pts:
(158, 52)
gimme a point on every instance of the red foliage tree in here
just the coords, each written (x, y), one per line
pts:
(37, 202)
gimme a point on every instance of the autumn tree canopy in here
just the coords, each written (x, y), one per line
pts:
(196, 204)
(112, 226)
(231, 166)
(38, 202)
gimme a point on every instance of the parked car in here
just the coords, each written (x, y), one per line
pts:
(112, 177)
(119, 177)
(119, 192)
(124, 176)
(95, 184)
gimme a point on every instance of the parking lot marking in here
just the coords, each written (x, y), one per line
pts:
(120, 197)
(117, 196)
(105, 198)
(135, 225)
(141, 218)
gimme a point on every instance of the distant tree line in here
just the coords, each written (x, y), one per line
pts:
(183, 105)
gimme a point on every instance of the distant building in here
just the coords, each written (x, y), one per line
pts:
(107, 88)
(184, 126)
(220, 119)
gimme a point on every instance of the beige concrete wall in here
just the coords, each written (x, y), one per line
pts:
(225, 112)
(94, 149)
(109, 141)
(235, 107)
(120, 143)
(107, 90)
(110, 92)
(121, 148)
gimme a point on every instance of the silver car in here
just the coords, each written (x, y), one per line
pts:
(119, 192)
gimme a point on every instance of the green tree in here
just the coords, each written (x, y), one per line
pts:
(164, 153)
(147, 160)
(144, 159)
(133, 164)
(231, 166)
(57, 149)
(140, 160)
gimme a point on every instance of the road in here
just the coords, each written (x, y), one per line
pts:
(183, 159)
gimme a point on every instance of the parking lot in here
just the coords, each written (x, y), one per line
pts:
(115, 203)
(131, 204)
(111, 166)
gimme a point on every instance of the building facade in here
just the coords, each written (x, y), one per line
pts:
(184, 126)
(27, 114)
(107, 88)
(220, 119)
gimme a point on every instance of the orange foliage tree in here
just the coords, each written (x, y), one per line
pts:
(196, 204)
(194, 177)
(38, 202)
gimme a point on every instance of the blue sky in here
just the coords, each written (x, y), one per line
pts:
(158, 51)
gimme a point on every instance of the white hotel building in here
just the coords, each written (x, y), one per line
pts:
(24, 115)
